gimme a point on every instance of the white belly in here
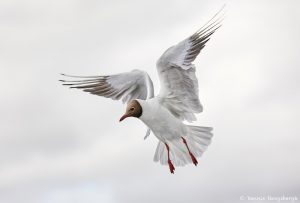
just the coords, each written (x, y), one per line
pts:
(161, 122)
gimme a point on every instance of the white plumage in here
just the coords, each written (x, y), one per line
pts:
(178, 99)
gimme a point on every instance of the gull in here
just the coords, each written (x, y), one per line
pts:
(178, 100)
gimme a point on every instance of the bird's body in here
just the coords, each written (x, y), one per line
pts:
(178, 99)
(162, 123)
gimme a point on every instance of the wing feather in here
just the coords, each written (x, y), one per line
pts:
(179, 85)
(126, 86)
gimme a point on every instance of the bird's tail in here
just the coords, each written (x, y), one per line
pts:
(197, 140)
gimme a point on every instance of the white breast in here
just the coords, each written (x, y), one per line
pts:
(162, 123)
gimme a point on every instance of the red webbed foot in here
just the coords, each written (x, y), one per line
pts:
(171, 166)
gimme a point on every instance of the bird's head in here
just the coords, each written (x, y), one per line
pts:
(133, 109)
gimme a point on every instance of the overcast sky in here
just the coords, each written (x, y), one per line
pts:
(66, 146)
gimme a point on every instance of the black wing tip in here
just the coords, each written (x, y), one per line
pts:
(215, 20)
(78, 76)
(83, 81)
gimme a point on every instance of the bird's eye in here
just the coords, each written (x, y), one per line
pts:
(131, 109)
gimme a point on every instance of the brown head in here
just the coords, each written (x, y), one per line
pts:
(133, 109)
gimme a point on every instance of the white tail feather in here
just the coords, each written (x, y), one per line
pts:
(197, 138)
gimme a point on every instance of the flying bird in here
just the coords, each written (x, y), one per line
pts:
(178, 100)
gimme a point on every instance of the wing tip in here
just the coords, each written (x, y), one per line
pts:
(217, 19)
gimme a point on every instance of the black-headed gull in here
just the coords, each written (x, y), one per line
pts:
(178, 100)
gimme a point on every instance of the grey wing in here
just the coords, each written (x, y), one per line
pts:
(124, 86)
(179, 85)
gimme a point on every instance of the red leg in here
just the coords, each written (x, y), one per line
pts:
(172, 168)
(191, 154)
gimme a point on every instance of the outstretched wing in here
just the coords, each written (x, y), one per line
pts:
(179, 85)
(126, 86)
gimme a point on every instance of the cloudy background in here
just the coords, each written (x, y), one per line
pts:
(66, 146)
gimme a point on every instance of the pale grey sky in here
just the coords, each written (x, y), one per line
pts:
(63, 146)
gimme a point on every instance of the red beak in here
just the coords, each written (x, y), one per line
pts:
(123, 117)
